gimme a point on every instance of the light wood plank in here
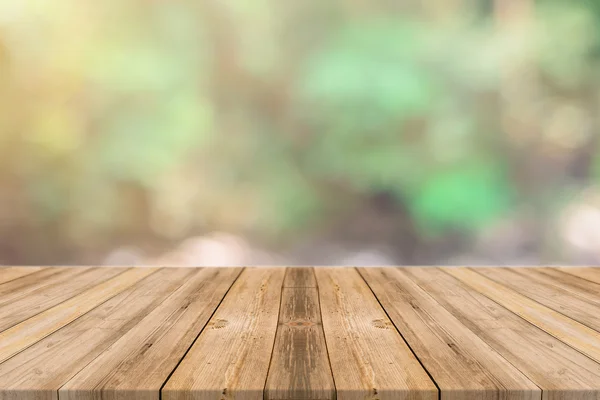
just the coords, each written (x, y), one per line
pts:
(10, 273)
(299, 365)
(16, 288)
(300, 277)
(574, 284)
(24, 304)
(231, 357)
(463, 366)
(26, 333)
(369, 358)
(560, 371)
(592, 274)
(143, 358)
(541, 289)
(38, 372)
(573, 333)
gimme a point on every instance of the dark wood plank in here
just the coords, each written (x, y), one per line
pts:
(230, 359)
(463, 366)
(562, 372)
(369, 358)
(299, 365)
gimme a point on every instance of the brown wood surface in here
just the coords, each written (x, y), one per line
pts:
(39, 371)
(30, 331)
(461, 363)
(299, 333)
(543, 290)
(299, 364)
(369, 358)
(559, 370)
(144, 357)
(569, 331)
(19, 305)
(230, 360)
(590, 274)
(10, 273)
(577, 286)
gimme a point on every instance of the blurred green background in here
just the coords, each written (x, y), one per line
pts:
(299, 132)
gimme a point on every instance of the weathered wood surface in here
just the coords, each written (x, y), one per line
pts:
(461, 363)
(299, 364)
(299, 333)
(369, 358)
(231, 358)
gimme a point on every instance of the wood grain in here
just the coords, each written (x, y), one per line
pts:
(25, 303)
(299, 365)
(300, 334)
(463, 366)
(571, 332)
(143, 358)
(16, 288)
(575, 285)
(231, 357)
(38, 372)
(560, 371)
(299, 277)
(10, 273)
(540, 288)
(369, 358)
(28, 332)
(591, 274)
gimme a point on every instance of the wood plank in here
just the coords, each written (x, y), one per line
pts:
(26, 333)
(10, 273)
(16, 288)
(462, 365)
(574, 284)
(231, 357)
(143, 358)
(560, 371)
(540, 289)
(571, 332)
(299, 365)
(300, 277)
(24, 304)
(38, 372)
(592, 274)
(369, 358)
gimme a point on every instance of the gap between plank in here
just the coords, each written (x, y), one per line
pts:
(102, 352)
(198, 335)
(67, 299)
(408, 276)
(400, 333)
(529, 322)
(287, 269)
(536, 301)
(75, 319)
(543, 305)
(324, 336)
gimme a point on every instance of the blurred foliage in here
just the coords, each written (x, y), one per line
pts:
(123, 120)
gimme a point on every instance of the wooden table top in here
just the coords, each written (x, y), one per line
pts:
(299, 333)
